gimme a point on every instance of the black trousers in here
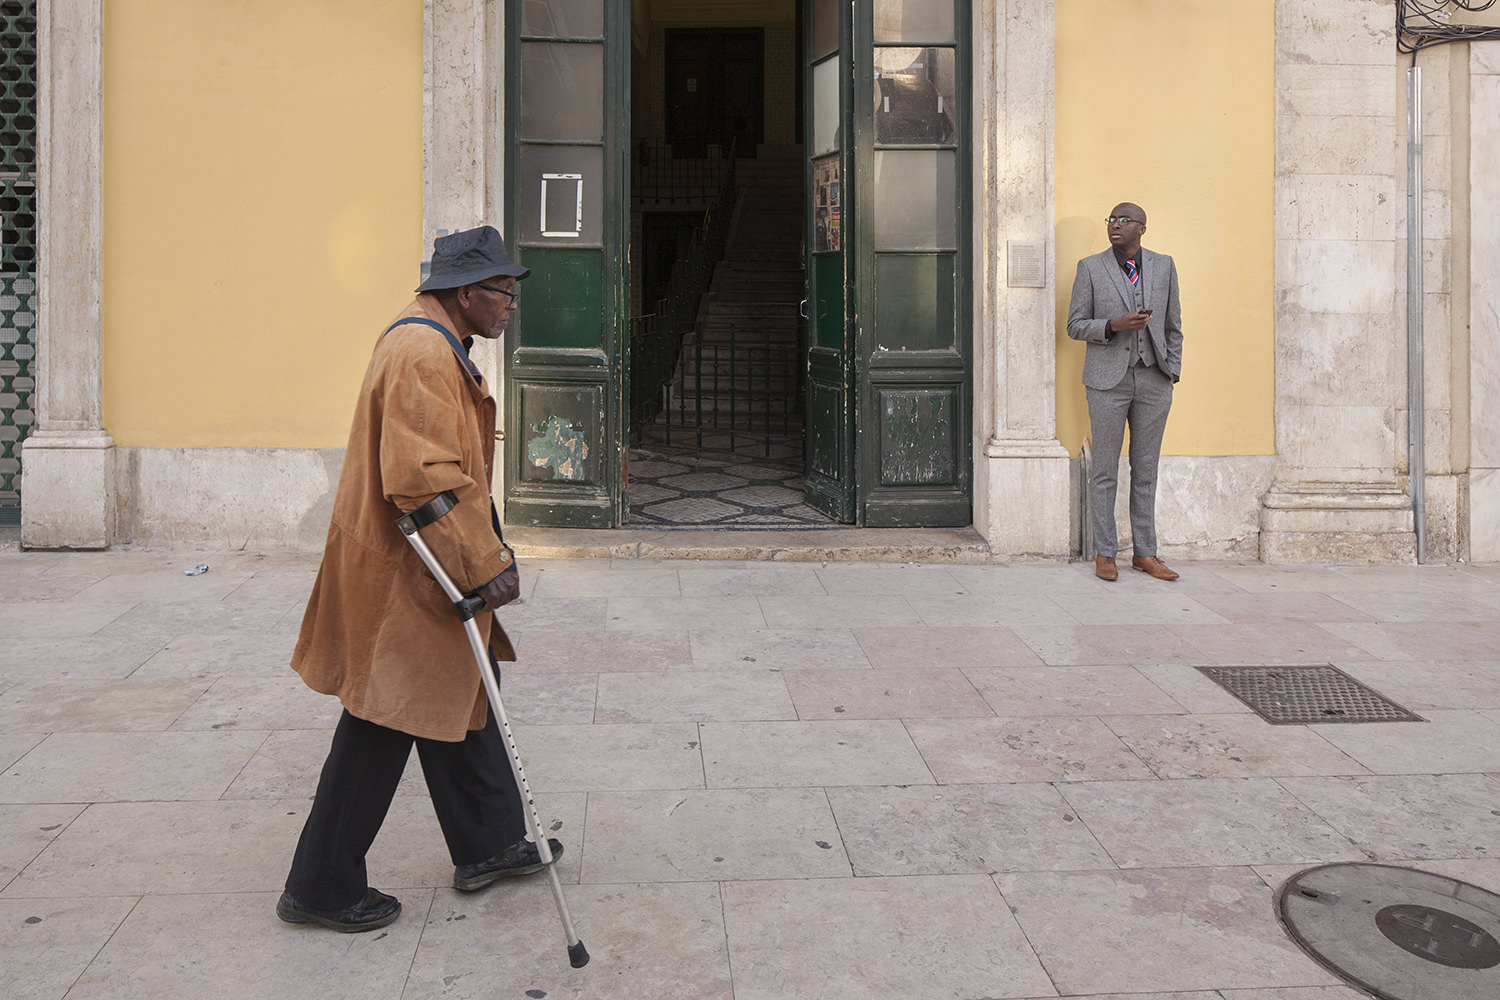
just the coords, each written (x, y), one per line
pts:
(473, 792)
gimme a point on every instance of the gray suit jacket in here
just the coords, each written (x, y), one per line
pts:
(1101, 293)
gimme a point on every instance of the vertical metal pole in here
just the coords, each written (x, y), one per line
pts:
(1416, 410)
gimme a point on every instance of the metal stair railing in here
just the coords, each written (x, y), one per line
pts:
(662, 178)
(656, 338)
(733, 371)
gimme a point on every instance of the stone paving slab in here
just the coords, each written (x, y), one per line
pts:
(1097, 645)
(776, 777)
(713, 835)
(1228, 746)
(1051, 748)
(644, 940)
(812, 938)
(233, 950)
(50, 943)
(1077, 691)
(694, 696)
(90, 657)
(953, 646)
(1408, 817)
(963, 830)
(128, 767)
(815, 753)
(74, 706)
(885, 693)
(565, 650)
(27, 830)
(204, 652)
(1213, 823)
(1427, 684)
(1157, 930)
(778, 648)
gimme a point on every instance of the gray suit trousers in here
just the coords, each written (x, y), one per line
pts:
(1141, 399)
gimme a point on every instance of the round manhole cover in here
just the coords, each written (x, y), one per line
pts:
(1397, 933)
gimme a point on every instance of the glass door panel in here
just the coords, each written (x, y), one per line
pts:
(898, 21)
(826, 30)
(562, 18)
(566, 81)
(562, 196)
(827, 110)
(914, 96)
(914, 205)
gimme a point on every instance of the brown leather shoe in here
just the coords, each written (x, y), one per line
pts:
(1104, 568)
(1154, 566)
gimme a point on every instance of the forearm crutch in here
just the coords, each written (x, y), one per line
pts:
(411, 526)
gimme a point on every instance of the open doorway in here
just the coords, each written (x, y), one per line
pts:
(717, 332)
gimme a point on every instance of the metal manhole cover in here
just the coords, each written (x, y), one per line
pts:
(1287, 695)
(1396, 933)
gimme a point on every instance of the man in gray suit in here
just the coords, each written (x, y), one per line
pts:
(1125, 307)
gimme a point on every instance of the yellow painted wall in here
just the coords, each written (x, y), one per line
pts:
(1170, 104)
(262, 213)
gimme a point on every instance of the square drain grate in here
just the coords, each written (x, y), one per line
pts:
(1289, 695)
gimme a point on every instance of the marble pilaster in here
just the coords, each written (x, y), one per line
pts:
(1021, 474)
(463, 149)
(67, 462)
(1444, 348)
(1336, 493)
(1484, 292)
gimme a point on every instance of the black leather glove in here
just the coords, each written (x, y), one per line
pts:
(504, 588)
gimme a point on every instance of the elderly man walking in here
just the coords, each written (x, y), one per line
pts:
(1124, 306)
(380, 634)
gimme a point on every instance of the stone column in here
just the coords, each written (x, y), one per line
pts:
(1484, 293)
(1340, 342)
(67, 461)
(463, 154)
(1021, 471)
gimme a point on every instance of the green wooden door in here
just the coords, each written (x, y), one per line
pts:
(889, 373)
(912, 279)
(568, 218)
(829, 430)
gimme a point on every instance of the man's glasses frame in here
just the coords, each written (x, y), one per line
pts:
(1112, 219)
(512, 296)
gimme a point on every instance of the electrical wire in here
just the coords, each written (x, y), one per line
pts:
(1421, 24)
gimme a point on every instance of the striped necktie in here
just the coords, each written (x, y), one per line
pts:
(1131, 272)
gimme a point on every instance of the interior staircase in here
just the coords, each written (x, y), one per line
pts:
(742, 364)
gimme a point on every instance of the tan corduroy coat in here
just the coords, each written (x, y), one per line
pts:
(378, 631)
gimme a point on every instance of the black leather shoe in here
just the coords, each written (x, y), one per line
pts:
(375, 910)
(520, 858)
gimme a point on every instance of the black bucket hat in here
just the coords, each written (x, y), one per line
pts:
(464, 258)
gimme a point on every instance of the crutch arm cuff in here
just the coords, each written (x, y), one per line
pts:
(426, 514)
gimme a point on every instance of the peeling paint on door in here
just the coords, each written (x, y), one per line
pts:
(560, 446)
(917, 446)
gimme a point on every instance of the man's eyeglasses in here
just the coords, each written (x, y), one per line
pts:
(512, 296)
(1122, 219)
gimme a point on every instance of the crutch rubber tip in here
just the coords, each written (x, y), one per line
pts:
(578, 955)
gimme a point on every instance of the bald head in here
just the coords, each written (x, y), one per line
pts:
(1127, 221)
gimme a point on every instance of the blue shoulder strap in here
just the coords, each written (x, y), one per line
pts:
(453, 342)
